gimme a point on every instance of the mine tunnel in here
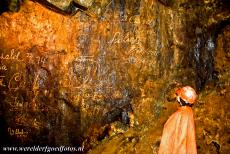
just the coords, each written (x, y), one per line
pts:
(99, 76)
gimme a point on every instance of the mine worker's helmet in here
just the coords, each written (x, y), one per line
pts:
(187, 93)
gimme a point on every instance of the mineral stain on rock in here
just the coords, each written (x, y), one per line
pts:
(104, 78)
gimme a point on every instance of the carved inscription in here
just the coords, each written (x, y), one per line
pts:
(19, 133)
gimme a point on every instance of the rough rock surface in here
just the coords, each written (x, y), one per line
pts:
(107, 81)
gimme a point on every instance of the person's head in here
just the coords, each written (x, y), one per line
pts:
(186, 96)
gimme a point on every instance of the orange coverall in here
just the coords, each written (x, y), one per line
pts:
(179, 133)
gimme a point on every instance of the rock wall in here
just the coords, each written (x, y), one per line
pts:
(78, 80)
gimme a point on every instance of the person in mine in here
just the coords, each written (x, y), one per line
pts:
(179, 130)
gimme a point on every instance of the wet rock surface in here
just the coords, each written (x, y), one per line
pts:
(106, 81)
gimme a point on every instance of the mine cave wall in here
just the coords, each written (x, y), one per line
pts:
(64, 77)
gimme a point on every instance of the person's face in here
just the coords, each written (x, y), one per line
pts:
(178, 98)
